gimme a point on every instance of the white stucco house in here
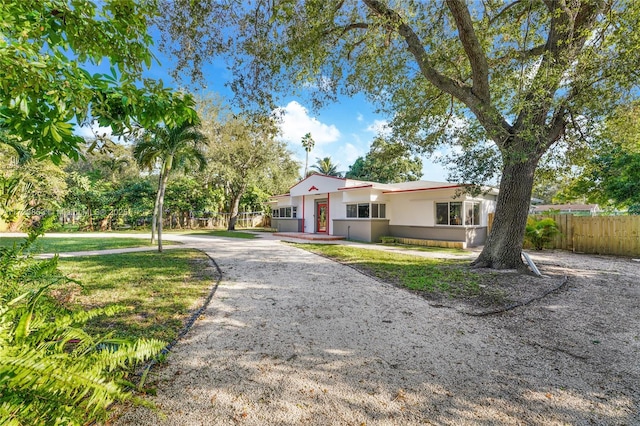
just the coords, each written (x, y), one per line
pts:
(366, 211)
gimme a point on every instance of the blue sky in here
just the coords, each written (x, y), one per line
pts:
(342, 130)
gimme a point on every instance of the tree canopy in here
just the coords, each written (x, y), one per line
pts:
(387, 162)
(174, 148)
(47, 51)
(519, 76)
(611, 177)
(326, 166)
(244, 153)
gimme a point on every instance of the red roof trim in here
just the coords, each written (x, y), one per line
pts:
(317, 174)
(422, 189)
(355, 187)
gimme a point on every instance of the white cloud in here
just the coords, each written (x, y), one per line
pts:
(93, 131)
(296, 122)
(379, 127)
(350, 154)
(360, 117)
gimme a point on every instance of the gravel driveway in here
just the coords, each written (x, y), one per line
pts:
(292, 338)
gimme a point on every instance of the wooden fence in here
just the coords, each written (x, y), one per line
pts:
(617, 235)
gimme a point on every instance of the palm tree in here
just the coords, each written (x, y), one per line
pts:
(173, 147)
(326, 167)
(307, 143)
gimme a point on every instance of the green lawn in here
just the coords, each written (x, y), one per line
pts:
(67, 244)
(435, 276)
(159, 290)
(454, 251)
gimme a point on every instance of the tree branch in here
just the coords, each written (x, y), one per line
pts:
(556, 128)
(496, 126)
(472, 47)
(523, 54)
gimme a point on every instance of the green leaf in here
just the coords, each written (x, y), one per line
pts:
(54, 134)
(22, 329)
(24, 106)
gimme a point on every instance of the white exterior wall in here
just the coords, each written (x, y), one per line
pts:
(488, 206)
(356, 196)
(411, 208)
(416, 208)
(310, 210)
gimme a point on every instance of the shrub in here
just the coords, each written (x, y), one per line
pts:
(51, 370)
(540, 232)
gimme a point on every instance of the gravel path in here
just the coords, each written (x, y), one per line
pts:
(292, 338)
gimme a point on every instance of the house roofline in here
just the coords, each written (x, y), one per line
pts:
(355, 187)
(317, 174)
(421, 189)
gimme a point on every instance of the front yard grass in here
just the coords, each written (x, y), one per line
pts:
(435, 277)
(68, 244)
(160, 290)
(454, 251)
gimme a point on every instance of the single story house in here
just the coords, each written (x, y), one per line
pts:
(366, 211)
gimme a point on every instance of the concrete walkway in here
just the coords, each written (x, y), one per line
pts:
(187, 240)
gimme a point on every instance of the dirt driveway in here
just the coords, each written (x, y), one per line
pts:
(292, 338)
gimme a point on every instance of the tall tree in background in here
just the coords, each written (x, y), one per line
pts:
(611, 176)
(308, 144)
(386, 162)
(244, 152)
(522, 76)
(173, 148)
(326, 167)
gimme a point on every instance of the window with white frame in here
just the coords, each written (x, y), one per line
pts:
(472, 213)
(456, 213)
(366, 210)
(378, 211)
(284, 212)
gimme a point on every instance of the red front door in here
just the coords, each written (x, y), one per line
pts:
(322, 218)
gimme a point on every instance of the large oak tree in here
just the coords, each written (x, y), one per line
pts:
(527, 74)
(244, 152)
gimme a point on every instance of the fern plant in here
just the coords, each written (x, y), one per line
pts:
(51, 370)
(540, 232)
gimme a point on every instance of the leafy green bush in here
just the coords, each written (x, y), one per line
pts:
(51, 370)
(540, 232)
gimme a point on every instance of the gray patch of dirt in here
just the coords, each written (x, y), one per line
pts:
(293, 338)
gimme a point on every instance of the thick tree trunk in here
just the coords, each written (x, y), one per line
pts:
(503, 247)
(105, 224)
(233, 218)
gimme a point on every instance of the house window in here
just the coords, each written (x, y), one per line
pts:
(285, 212)
(452, 213)
(361, 210)
(472, 213)
(378, 210)
(449, 213)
